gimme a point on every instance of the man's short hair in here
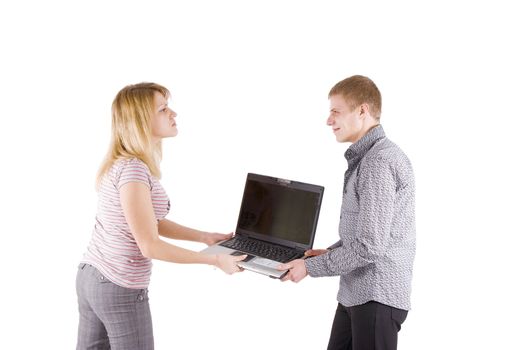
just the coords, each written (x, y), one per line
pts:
(357, 90)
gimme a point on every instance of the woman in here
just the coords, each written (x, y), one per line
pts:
(114, 274)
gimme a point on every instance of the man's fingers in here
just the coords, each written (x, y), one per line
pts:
(286, 277)
(314, 252)
(284, 267)
(239, 258)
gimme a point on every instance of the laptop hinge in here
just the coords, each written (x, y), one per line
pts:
(284, 181)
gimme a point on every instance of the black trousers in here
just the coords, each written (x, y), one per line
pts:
(371, 326)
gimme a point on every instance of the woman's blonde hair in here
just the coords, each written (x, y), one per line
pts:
(132, 111)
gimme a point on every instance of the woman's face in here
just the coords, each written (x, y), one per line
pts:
(163, 122)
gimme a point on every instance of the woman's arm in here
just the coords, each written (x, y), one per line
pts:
(135, 199)
(170, 229)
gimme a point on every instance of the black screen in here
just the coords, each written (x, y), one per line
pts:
(278, 211)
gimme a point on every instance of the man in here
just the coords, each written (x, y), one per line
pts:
(375, 253)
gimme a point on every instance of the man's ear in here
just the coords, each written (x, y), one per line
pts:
(364, 110)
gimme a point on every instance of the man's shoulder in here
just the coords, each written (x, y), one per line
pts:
(385, 150)
(386, 153)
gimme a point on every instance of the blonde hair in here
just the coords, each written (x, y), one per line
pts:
(357, 90)
(132, 111)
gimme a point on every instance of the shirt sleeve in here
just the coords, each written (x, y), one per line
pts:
(335, 245)
(376, 190)
(134, 171)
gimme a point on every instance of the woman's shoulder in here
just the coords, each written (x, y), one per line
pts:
(131, 163)
(131, 170)
(124, 166)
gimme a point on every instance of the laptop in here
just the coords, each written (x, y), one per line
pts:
(276, 224)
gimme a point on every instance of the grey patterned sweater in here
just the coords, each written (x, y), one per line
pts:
(375, 254)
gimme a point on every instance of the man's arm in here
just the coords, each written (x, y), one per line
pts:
(368, 236)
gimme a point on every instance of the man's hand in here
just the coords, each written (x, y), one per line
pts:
(212, 238)
(297, 270)
(315, 252)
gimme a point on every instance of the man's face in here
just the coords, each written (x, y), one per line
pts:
(346, 124)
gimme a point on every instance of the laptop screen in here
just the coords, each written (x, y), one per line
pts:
(280, 210)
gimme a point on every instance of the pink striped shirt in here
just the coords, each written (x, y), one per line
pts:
(113, 249)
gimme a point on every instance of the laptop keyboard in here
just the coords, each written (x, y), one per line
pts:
(260, 248)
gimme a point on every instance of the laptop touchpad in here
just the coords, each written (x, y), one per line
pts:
(248, 258)
(266, 262)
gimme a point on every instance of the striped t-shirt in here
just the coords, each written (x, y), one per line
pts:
(113, 249)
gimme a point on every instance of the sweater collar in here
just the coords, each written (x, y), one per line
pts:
(362, 145)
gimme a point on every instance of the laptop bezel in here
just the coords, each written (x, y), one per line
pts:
(290, 184)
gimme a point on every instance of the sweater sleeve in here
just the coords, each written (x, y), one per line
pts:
(364, 234)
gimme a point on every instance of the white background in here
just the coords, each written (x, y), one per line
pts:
(249, 82)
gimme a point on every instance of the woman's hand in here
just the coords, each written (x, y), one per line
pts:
(211, 238)
(228, 263)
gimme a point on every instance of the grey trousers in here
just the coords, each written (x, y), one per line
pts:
(111, 316)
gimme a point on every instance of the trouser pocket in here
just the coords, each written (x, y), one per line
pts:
(398, 317)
